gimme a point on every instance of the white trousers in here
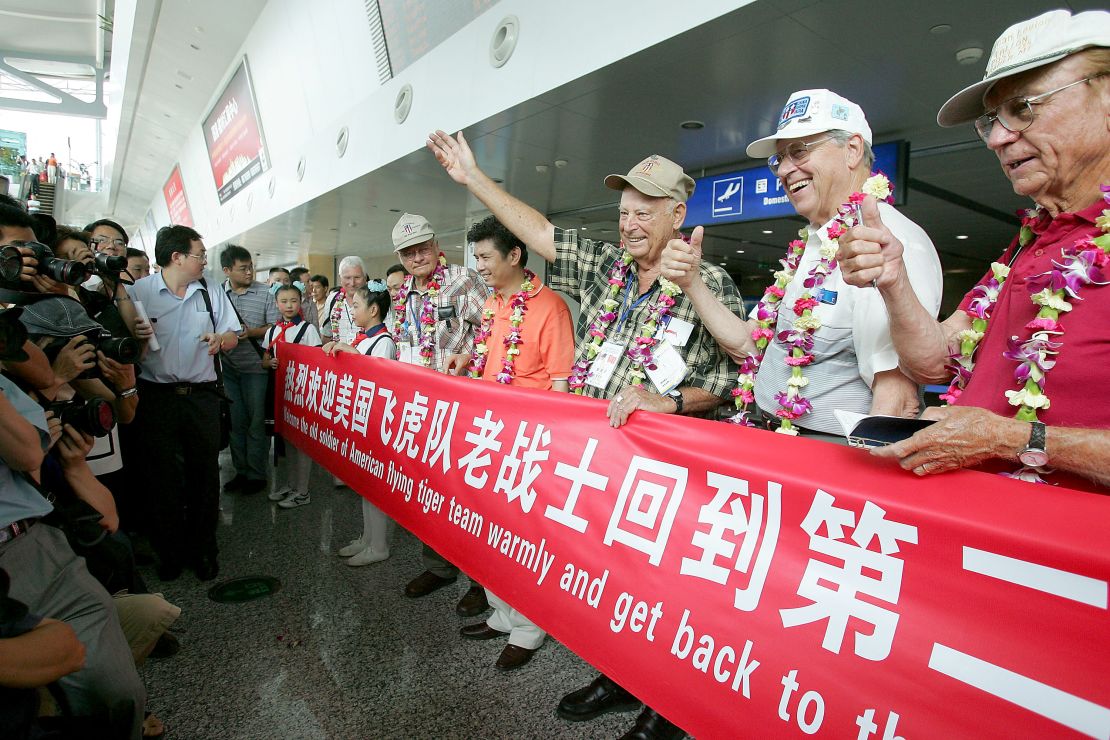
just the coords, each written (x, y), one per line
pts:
(522, 631)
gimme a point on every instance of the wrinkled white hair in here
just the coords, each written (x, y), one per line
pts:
(352, 261)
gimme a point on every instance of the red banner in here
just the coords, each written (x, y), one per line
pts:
(741, 582)
(176, 202)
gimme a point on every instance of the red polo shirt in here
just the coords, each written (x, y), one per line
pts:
(547, 346)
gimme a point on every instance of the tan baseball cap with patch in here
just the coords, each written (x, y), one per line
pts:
(411, 229)
(657, 177)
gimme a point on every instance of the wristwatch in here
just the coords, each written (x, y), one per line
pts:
(128, 392)
(676, 396)
(1034, 455)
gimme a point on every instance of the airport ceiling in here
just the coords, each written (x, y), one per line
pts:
(897, 60)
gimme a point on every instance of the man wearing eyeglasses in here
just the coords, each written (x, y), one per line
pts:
(179, 417)
(107, 237)
(244, 377)
(1042, 107)
(821, 154)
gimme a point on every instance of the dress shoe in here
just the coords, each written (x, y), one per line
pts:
(426, 583)
(169, 571)
(253, 485)
(354, 548)
(513, 656)
(601, 696)
(651, 725)
(473, 602)
(207, 568)
(235, 484)
(481, 631)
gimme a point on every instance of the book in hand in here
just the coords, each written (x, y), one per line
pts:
(877, 431)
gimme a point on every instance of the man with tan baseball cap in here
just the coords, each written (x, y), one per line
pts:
(687, 374)
(1030, 339)
(451, 297)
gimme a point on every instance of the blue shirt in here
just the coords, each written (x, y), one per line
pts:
(18, 498)
(179, 324)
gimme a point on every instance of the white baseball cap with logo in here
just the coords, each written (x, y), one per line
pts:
(809, 112)
(1024, 46)
(411, 229)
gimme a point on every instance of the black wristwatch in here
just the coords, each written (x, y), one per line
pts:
(676, 396)
(1035, 454)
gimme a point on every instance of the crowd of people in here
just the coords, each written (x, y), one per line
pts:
(850, 322)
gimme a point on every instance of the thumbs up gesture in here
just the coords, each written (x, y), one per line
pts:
(869, 253)
(680, 261)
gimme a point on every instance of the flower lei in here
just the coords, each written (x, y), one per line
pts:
(640, 351)
(1079, 265)
(519, 305)
(337, 310)
(427, 311)
(792, 404)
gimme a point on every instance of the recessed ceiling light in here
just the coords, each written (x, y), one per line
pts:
(585, 228)
(458, 246)
(739, 251)
(940, 28)
(194, 47)
(560, 163)
(768, 231)
(961, 236)
(692, 125)
(394, 210)
(970, 55)
(723, 264)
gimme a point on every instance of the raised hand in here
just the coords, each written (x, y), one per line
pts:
(680, 261)
(454, 154)
(869, 253)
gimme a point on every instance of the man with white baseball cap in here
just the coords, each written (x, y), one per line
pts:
(450, 298)
(1029, 341)
(821, 153)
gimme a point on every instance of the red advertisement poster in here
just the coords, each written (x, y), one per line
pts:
(176, 202)
(233, 134)
(742, 583)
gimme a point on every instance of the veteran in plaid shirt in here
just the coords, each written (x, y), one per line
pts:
(692, 375)
(452, 297)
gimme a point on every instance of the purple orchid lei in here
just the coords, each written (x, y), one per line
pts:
(518, 304)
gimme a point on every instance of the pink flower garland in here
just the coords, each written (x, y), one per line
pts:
(518, 303)
(427, 312)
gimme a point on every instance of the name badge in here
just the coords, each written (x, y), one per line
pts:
(826, 296)
(605, 364)
(407, 353)
(676, 331)
(670, 368)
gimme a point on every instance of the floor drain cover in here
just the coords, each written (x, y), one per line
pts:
(238, 590)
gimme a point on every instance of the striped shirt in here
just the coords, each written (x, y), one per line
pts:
(581, 270)
(255, 307)
(462, 295)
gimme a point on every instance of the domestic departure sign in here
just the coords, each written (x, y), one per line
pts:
(755, 194)
(233, 134)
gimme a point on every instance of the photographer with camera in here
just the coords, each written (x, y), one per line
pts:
(179, 420)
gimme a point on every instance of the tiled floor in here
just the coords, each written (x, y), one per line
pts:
(339, 652)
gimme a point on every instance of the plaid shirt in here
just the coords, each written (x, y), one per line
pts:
(255, 307)
(462, 290)
(581, 269)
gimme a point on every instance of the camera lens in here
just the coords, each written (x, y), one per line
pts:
(120, 349)
(64, 271)
(94, 416)
(107, 264)
(11, 263)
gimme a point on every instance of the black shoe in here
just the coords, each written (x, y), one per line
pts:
(235, 484)
(426, 583)
(207, 568)
(601, 696)
(651, 725)
(473, 602)
(481, 631)
(169, 570)
(253, 485)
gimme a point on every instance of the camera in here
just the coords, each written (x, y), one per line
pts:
(64, 271)
(107, 265)
(93, 416)
(13, 335)
(120, 349)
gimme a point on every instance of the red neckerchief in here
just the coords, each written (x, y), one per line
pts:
(281, 327)
(370, 333)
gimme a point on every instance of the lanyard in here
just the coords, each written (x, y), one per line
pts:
(628, 306)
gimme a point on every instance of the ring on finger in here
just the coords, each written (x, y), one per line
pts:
(618, 398)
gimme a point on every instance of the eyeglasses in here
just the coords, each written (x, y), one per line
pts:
(96, 241)
(409, 252)
(797, 153)
(201, 258)
(1017, 114)
(246, 269)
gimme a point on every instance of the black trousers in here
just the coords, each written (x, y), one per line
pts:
(180, 431)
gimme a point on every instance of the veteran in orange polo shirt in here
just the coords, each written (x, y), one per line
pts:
(525, 339)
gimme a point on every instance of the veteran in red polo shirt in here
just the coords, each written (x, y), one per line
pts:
(1025, 353)
(525, 339)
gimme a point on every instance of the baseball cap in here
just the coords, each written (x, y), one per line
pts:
(809, 112)
(411, 229)
(58, 316)
(657, 177)
(1024, 46)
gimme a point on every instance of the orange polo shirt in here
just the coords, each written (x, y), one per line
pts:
(547, 339)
